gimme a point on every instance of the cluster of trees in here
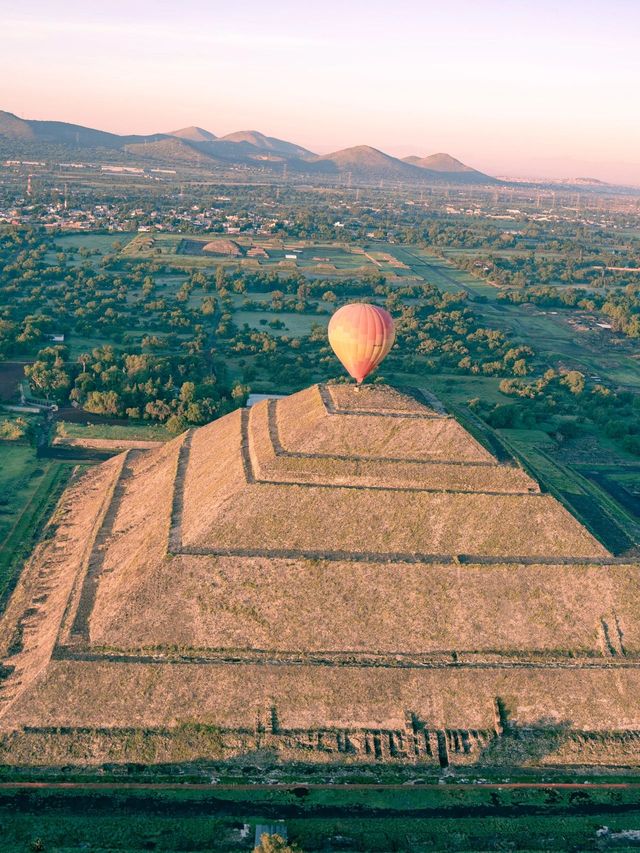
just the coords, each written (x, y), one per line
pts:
(567, 405)
(527, 270)
(41, 295)
(179, 390)
(165, 333)
(442, 332)
(622, 307)
(438, 331)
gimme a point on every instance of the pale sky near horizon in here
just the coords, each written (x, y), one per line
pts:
(512, 87)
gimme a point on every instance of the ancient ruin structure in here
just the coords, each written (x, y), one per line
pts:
(337, 575)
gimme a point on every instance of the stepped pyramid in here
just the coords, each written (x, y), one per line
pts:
(338, 574)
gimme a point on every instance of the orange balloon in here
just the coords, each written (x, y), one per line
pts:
(361, 335)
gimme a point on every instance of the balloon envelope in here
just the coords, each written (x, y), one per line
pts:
(361, 335)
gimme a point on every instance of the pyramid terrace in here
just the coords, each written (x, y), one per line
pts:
(339, 575)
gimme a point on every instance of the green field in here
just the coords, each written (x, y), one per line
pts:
(131, 432)
(29, 489)
(92, 241)
(294, 324)
(98, 244)
(440, 272)
(437, 817)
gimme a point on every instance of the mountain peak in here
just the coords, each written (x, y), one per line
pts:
(193, 134)
(268, 143)
(441, 162)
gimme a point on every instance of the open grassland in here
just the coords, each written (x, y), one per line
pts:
(93, 242)
(445, 818)
(29, 489)
(114, 432)
(89, 247)
(295, 325)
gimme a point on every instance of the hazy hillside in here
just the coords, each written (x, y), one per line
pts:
(62, 133)
(268, 143)
(249, 149)
(168, 150)
(447, 165)
(369, 163)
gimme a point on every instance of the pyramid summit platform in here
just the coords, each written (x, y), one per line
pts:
(340, 574)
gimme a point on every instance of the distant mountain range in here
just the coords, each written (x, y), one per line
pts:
(195, 146)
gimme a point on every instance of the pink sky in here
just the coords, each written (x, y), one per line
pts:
(512, 87)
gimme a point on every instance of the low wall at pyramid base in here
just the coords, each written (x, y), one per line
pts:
(435, 749)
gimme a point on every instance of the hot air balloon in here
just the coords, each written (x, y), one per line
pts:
(361, 335)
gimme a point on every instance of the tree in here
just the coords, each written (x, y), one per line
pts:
(221, 278)
(187, 392)
(15, 430)
(157, 410)
(240, 393)
(103, 403)
(176, 424)
(48, 375)
(275, 844)
(574, 380)
(520, 367)
(208, 306)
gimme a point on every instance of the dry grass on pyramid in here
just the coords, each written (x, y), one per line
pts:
(342, 574)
